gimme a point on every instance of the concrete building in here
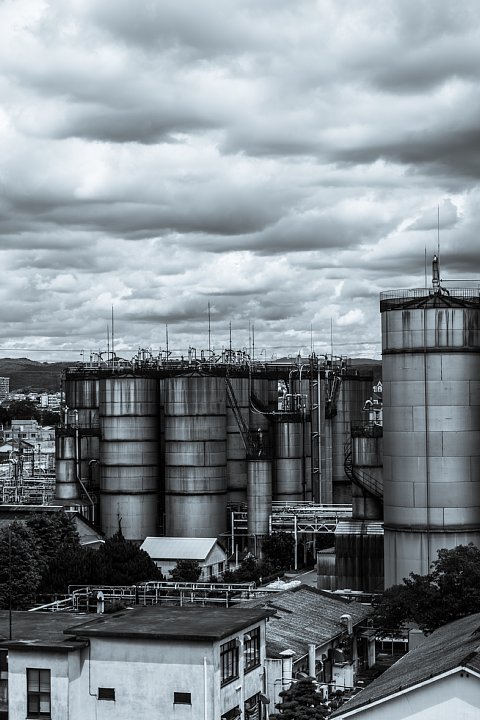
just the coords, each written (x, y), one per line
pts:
(438, 679)
(4, 387)
(156, 662)
(167, 551)
(316, 634)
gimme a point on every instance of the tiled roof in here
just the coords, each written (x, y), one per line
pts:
(305, 615)
(178, 548)
(454, 645)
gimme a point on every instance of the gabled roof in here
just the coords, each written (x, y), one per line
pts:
(178, 548)
(452, 646)
(305, 615)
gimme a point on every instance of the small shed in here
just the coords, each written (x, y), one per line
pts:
(167, 551)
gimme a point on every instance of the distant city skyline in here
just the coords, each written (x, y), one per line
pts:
(281, 162)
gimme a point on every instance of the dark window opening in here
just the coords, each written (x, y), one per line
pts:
(106, 693)
(182, 698)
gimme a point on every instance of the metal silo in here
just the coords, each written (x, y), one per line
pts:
(236, 452)
(259, 499)
(289, 473)
(82, 401)
(129, 456)
(431, 373)
(67, 487)
(353, 389)
(195, 456)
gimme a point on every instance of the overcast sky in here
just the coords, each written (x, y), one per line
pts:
(282, 160)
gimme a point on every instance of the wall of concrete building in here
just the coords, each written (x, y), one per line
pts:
(145, 674)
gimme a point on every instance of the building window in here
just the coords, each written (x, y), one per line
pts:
(106, 693)
(181, 698)
(251, 645)
(253, 707)
(233, 714)
(229, 661)
(38, 693)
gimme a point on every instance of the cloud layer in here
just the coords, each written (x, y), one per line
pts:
(282, 162)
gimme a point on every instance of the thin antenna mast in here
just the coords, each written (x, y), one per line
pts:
(425, 267)
(230, 326)
(209, 329)
(113, 335)
(166, 337)
(331, 337)
(253, 342)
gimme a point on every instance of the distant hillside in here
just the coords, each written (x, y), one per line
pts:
(31, 375)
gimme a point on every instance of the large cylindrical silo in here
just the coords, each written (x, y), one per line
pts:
(129, 456)
(431, 381)
(289, 469)
(236, 451)
(82, 401)
(353, 389)
(67, 487)
(195, 456)
(259, 497)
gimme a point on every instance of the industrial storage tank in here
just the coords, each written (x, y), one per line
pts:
(195, 456)
(353, 390)
(236, 451)
(67, 487)
(289, 465)
(129, 455)
(431, 394)
(259, 500)
(82, 409)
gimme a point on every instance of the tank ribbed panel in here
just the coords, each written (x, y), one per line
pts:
(288, 479)
(236, 452)
(431, 381)
(259, 496)
(195, 456)
(129, 455)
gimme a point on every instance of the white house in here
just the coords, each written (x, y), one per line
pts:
(167, 551)
(438, 679)
(198, 663)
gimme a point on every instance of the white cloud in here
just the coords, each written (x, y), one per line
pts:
(282, 161)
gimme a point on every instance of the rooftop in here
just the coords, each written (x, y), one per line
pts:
(178, 548)
(38, 629)
(305, 615)
(159, 622)
(454, 645)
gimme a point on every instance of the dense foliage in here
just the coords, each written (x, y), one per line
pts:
(44, 556)
(450, 591)
(301, 702)
(186, 571)
(27, 410)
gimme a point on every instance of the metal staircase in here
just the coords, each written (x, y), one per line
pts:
(369, 484)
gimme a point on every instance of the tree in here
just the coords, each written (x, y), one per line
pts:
(19, 567)
(122, 562)
(450, 591)
(186, 571)
(301, 702)
(23, 410)
(278, 549)
(54, 533)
